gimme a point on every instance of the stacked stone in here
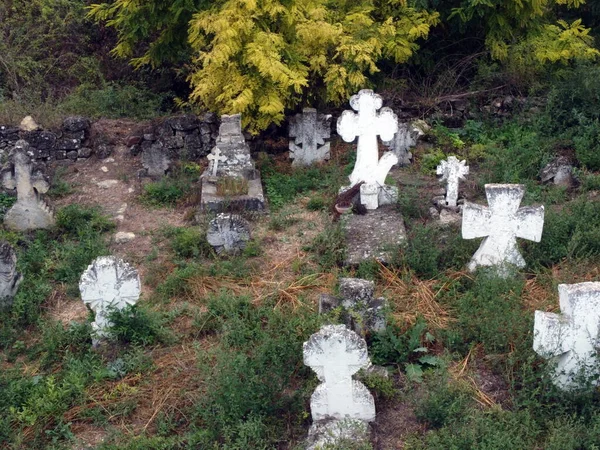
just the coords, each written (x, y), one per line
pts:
(71, 142)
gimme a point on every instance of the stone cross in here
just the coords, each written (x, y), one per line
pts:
(108, 284)
(335, 354)
(572, 338)
(367, 124)
(214, 157)
(228, 233)
(452, 170)
(10, 279)
(310, 130)
(30, 212)
(501, 224)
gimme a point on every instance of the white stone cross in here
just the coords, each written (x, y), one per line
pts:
(367, 124)
(215, 156)
(500, 225)
(109, 283)
(30, 211)
(335, 354)
(309, 130)
(452, 170)
(572, 338)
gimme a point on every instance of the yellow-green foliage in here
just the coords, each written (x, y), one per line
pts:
(259, 57)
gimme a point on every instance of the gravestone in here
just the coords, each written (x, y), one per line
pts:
(109, 283)
(231, 182)
(572, 338)
(404, 139)
(367, 124)
(361, 311)
(228, 234)
(10, 279)
(452, 170)
(500, 225)
(310, 131)
(30, 212)
(155, 159)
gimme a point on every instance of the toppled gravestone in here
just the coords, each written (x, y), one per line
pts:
(571, 339)
(108, 284)
(341, 407)
(228, 234)
(30, 212)
(500, 225)
(10, 279)
(361, 311)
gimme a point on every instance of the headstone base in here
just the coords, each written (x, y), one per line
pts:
(373, 235)
(336, 433)
(254, 200)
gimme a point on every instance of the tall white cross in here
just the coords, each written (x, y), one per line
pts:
(452, 170)
(309, 130)
(501, 224)
(214, 157)
(108, 284)
(335, 354)
(367, 124)
(572, 338)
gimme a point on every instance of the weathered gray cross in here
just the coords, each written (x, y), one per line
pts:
(108, 283)
(309, 130)
(572, 338)
(501, 224)
(367, 124)
(335, 354)
(214, 157)
(452, 170)
(28, 185)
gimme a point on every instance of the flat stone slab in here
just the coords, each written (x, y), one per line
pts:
(373, 235)
(253, 201)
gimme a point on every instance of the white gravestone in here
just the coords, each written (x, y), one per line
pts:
(335, 354)
(10, 279)
(571, 338)
(30, 212)
(452, 170)
(501, 224)
(109, 283)
(310, 131)
(214, 158)
(367, 124)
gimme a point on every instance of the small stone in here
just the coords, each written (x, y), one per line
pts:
(28, 124)
(84, 152)
(109, 160)
(104, 169)
(68, 144)
(103, 151)
(122, 237)
(107, 184)
(72, 155)
(133, 140)
(131, 190)
(74, 124)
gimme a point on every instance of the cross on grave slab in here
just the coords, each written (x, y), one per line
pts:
(335, 354)
(501, 224)
(309, 130)
(452, 170)
(109, 283)
(367, 124)
(214, 157)
(30, 211)
(572, 338)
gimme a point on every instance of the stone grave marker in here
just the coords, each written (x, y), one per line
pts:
(500, 225)
(335, 354)
(10, 279)
(231, 182)
(452, 170)
(30, 212)
(228, 233)
(109, 283)
(404, 139)
(310, 131)
(572, 338)
(362, 312)
(367, 124)
(155, 159)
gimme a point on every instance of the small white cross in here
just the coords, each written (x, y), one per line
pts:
(571, 338)
(335, 354)
(452, 170)
(501, 224)
(215, 157)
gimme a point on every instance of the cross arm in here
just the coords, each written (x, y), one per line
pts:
(347, 126)
(551, 335)
(530, 223)
(476, 221)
